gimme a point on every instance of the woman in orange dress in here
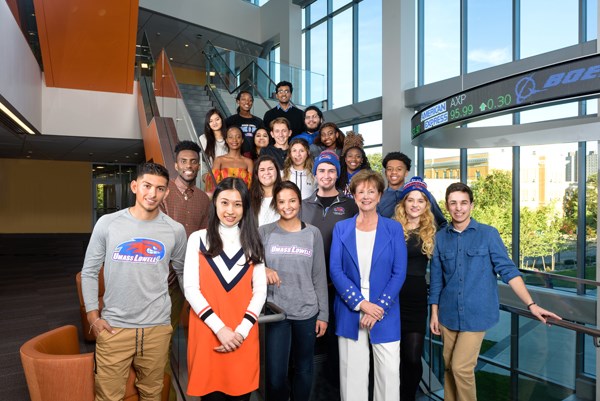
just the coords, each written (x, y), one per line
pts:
(225, 284)
(233, 164)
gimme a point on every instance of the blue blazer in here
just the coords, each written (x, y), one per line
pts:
(388, 272)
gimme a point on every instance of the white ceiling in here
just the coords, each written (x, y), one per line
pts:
(163, 32)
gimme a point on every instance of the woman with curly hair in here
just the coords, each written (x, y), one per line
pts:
(414, 213)
(298, 166)
(330, 138)
(352, 161)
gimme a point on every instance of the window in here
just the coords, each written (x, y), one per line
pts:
(354, 65)
(442, 40)
(490, 40)
(539, 22)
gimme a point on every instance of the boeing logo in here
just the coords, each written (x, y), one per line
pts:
(526, 86)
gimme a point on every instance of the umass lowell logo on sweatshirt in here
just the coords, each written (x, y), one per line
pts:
(140, 250)
(290, 250)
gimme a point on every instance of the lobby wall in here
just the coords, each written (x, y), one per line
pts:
(45, 197)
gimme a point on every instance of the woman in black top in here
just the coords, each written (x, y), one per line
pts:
(414, 212)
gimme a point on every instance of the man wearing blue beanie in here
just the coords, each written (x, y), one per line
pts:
(323, 209)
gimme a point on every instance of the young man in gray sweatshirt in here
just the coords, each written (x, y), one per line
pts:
(135, 246)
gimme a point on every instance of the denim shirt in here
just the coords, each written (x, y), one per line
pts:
(463, 277)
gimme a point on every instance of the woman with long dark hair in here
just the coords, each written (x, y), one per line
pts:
(213, 138)
(265, 176)
(297, 282)
(225, 284)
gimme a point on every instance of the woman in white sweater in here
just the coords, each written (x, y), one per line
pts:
(224, 281)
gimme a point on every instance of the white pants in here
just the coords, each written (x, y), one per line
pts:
(354, 369)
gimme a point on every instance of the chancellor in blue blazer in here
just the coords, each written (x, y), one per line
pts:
(368, 267)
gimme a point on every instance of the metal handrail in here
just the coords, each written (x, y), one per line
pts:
(278, 316)
(245, 82)
(555, 276)
(579, 328)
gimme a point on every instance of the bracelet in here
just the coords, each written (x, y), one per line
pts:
(93, 325)
(530, 305)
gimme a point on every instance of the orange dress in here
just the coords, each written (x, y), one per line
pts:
(233, 373)
(239, 172)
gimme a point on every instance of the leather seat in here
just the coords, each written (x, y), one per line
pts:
(55, 370)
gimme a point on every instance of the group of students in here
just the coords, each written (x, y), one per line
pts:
(332, 259)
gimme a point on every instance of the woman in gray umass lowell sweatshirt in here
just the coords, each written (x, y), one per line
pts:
(297, 280)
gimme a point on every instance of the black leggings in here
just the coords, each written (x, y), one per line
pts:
(219, 396)
(411, 368)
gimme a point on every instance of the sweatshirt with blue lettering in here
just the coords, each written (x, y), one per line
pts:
(299, 259)
(136, 255)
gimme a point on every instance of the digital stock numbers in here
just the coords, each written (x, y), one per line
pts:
(578, 78)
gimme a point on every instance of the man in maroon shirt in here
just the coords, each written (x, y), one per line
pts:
(188, 205)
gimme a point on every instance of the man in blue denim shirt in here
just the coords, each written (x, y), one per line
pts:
(463, 290)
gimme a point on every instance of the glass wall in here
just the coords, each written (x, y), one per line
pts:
(343, 41)
(556, 224)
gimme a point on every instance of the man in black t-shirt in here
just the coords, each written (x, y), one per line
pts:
(244, 119)
(294, 115)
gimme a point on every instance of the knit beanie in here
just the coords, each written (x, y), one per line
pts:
(327, 156)
(415, 184)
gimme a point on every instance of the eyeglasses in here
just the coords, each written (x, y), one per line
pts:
(283, 91)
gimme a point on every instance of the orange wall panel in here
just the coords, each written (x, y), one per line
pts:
(88, 45)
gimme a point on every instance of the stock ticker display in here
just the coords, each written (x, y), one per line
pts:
(579, 78)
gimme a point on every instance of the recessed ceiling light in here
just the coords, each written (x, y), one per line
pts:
(15, 119)
(135, 154)
(186, 45)
(171, 58)
(100, 167)
(127, 157)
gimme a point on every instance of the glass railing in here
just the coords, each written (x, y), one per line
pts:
(232, 70)
(523, 359)
(162, 98)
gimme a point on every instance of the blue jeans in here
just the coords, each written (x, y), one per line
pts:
(295, 337)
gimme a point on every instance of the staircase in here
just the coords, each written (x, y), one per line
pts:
(198, 103)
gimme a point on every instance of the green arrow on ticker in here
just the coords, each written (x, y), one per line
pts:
(482, 107)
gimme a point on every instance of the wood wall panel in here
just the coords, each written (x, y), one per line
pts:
(88, 44)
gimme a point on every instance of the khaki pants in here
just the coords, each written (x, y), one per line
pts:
(461, 349)
(144, 349)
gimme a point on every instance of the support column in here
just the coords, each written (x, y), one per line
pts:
(398, 73)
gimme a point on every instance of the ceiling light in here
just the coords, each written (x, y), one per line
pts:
(212, 73)
(171, 58)
(16, 119)
(186, 45)
(145, 66)
(100, 167)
